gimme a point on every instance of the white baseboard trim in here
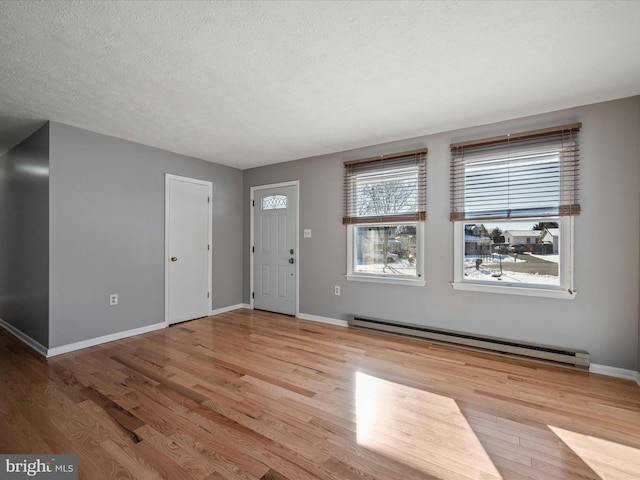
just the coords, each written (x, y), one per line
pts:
(230, 308)
(615, 372)
(24, 338)
(316, 318)
(52, 352)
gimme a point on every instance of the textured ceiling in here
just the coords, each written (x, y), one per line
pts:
(259, 82)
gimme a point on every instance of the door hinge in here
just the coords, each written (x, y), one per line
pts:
(253, 203)
(253, 294)
(253, 249)
(208, 247)
(208, 294)
(208, 199)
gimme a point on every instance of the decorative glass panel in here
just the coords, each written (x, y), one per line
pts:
(274, 202)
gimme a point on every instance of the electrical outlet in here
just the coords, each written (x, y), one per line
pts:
(307, 233)
(336, 290)
(113, 299)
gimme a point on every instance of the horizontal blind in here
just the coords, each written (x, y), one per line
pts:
(389, 188)
(529, 174)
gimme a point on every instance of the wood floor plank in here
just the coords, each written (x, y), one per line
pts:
(157, 443)
(258, 396)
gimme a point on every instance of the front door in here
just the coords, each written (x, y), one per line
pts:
(188, 248)
(275, 255)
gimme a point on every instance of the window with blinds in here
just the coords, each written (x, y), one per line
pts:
(525, 175)
(513, 202)
(385, 208)
(389, 188)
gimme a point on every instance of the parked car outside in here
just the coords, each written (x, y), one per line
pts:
(517, 248)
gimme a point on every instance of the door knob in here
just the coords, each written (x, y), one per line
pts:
(291, 260)
(174, 259)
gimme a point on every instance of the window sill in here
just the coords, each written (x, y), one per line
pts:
(513, 290)
(388, 280)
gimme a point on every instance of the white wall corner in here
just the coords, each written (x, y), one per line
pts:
(52, 352)
(316, 318)
(24, 338)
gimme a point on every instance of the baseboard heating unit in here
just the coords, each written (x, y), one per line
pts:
(576, 358)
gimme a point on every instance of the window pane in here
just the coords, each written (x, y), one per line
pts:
(524, 252)
(385, 249)
(387, 192)
(386, 189)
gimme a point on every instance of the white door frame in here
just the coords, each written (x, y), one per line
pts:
(167, 178)
(293, 183)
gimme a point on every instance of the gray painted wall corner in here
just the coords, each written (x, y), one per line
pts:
(24, 236)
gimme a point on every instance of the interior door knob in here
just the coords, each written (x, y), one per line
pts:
(174, 259)
(291, 260)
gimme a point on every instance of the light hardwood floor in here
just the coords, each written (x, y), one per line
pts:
(253, 395)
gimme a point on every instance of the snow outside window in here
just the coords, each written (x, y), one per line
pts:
(527, 257)
(513, 203)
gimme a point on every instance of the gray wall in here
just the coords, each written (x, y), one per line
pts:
(107, 233)
(24, 236)
(602, 319)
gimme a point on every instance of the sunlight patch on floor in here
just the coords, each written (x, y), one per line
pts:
(421, 429)
(609, 460)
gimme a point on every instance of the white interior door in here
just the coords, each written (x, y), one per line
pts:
(188, 248)
(274, 258)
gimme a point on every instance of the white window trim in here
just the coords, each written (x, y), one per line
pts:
(417, 281)
(564, 291)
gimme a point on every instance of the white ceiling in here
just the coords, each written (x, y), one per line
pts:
(260, 82)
